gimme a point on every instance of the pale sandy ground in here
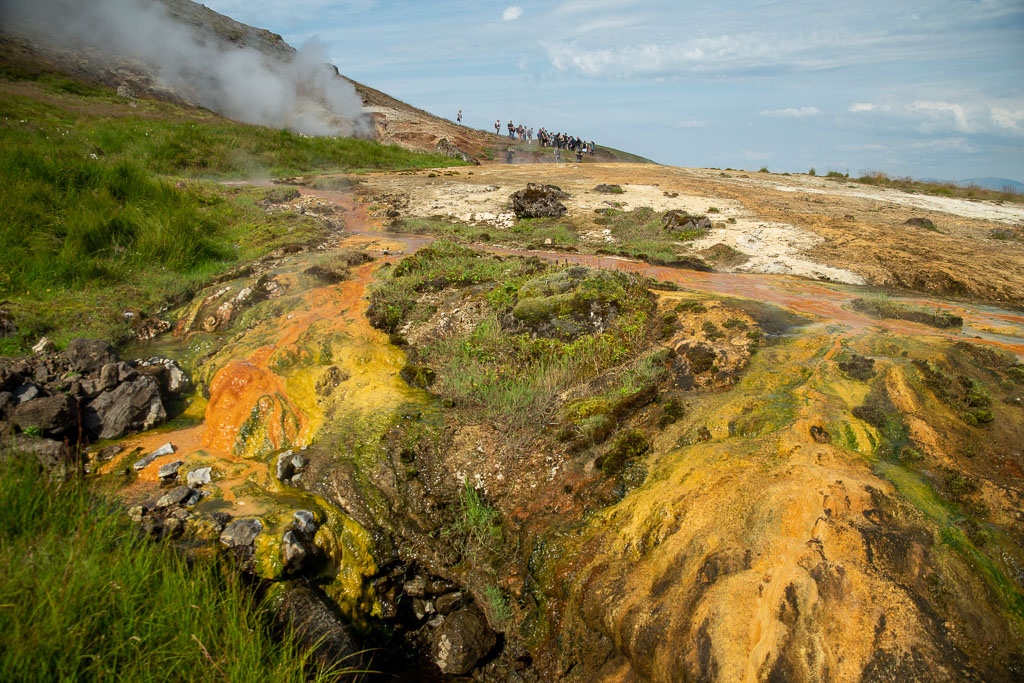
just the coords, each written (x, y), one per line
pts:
(798, 225)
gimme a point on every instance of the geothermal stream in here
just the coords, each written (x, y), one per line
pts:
(263, 397)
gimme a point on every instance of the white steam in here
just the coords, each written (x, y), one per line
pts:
(298, 91)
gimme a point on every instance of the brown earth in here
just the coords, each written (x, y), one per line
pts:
(799, 225)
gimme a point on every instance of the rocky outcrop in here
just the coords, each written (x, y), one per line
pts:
(539, 201)
(449, 150)
(462, 640)
(85, 392)
(680, 221)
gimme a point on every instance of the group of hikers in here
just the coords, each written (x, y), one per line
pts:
(557, 141)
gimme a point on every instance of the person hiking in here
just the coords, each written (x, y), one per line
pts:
(579, 155)
(497, 127)
(558, 155)
(458, 119)
(508, 155)
(511, 129)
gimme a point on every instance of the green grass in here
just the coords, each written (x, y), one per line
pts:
(477, 522)
(881, 306)
(96, 219)
(83, 598)
(498, 372)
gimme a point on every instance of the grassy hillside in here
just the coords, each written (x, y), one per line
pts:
(107, 203)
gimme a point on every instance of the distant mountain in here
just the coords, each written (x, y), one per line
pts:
(998, 184)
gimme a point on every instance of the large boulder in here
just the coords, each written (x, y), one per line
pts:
(449, 150)
(680, 221)
(131, 406)
(539, 201)
(55, 456)
(89, 355)
(54, 416)
(462, 640)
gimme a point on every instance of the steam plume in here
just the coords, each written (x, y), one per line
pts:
(276, 87)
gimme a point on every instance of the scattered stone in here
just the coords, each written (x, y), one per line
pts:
(89, 355)
(169, 470)
(220, 519)
(144, 462)
(194, 497)
(42, 346)
(126, 91)
(305, 522)
(172, 527)
(241, 532)
(53, 416)
(449, 602)
(422, 608)
(136, 513)
(109, 452)
(462, 640)
(416, 587)
(310, 614)
(27, 392)
(53, 455)
(539, 201)
(172, 379)
(293, 552)
(174, 497)
(203, 475)
(605, 188)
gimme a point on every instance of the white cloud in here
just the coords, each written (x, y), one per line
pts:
(793, 112)
(689, 124)
(862, 106)
(511, 13)
(942, 109)
(1007, 118)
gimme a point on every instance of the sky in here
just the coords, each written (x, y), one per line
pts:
(927, 89)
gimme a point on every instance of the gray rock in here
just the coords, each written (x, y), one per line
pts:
(416, 587)
(203, 475)
(169, 470)
(678, 221)
(194, 497)
(53, 455)
(108, 376)
(90, 388)
(6, 401)
(26, 392)
(299, 462)
(42, 374)
(422, 608)
(539, 201)
(174, 497)
(461, 641)
(89, 355)
(241, 532)
(109, 452)
(173, 527)
(449, 602)
(449, 150)
(173, 380)
(136, 513)
(293, 552)
(56, 416)
(319, 628)
(132, 406)
(305, 522)
(285, 469)
(144, 462)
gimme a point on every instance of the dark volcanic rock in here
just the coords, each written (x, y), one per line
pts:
(89, 355)
(604, 188)
(920, 222)
(55, 416)
(318, 625)
(539, 201)
(241, 532)
(131, 406)
(53, 455)
(462, 640)
(678, 221)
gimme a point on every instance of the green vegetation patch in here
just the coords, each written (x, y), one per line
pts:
(84, 597)
(884, 307)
